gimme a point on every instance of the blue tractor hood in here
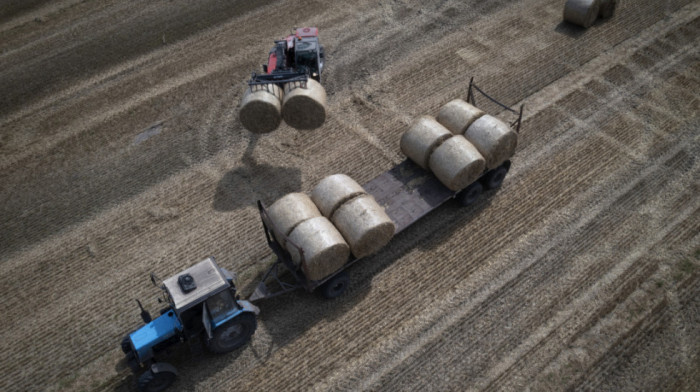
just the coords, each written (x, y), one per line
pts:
(157, 331)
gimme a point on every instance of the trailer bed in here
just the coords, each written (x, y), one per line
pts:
(408, 192)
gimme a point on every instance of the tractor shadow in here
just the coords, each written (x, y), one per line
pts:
(286, 318)
(254, 181)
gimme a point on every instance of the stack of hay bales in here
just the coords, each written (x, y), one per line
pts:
(493, 138)
(452, 158)
(304, 107)
(261, 108)
(298, 224)
(360, 219)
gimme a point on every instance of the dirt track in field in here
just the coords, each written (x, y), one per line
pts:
(121, 154)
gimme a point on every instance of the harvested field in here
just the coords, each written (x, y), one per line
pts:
(121, 153)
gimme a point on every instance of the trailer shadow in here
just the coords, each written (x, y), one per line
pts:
(287, 317)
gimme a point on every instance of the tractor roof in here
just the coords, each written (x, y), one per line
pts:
(208, 278)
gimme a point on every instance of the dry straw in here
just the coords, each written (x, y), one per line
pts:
(458, 115)
(364, 225)
(422, 138)
(324, 249)
(261, 108)
(493, 138)
(333, 191)
(288, 212)
(457, 163)
(304, 108)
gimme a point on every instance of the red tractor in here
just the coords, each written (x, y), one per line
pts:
(289, 87)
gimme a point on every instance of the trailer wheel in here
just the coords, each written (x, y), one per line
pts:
(494, 178)
(158, 378)
(607, 8)
(336, 286)
(233, 334)
(470, 194)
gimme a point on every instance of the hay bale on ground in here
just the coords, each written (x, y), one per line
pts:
(457, 163)
(581, 12)
(333, 191)
(493, 138)
(364, 225)
(304, 108)
(261, 108)
(424, 136)
(288, 212)
(324, 249)
(458, 115)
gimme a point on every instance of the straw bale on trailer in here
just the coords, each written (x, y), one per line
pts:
(458, 115)
(333, 191)
(364, 225)
(288, 212)
(457, 163)
(493, 138)
(261, 108)
(304, 108)
(422, 138)
(324, 249)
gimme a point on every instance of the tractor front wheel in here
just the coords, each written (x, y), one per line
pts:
(158, 378)
(233, 334)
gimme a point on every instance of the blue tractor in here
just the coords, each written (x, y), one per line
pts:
(202, 304)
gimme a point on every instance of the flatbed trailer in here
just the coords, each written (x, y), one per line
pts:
(407, 192)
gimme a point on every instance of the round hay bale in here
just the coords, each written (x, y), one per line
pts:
(493, 138)
(288, 212)
(581, 12)
(607, 8)
(324, 249)
(364, 225)
(304, 108)
(422, 138)
(261, 108)
(457, 163)
(458, 115)
(333, 191)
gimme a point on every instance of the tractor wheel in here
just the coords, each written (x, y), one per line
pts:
(233, 334)
(336, 285)
(581, 12)
(470, 194)
(494, 178)
(158, 378)
(126, 344)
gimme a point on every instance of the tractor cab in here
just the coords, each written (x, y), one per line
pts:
(203, 291)
(202, 303)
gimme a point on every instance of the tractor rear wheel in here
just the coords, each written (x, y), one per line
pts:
(233, 334)
(155, 379)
